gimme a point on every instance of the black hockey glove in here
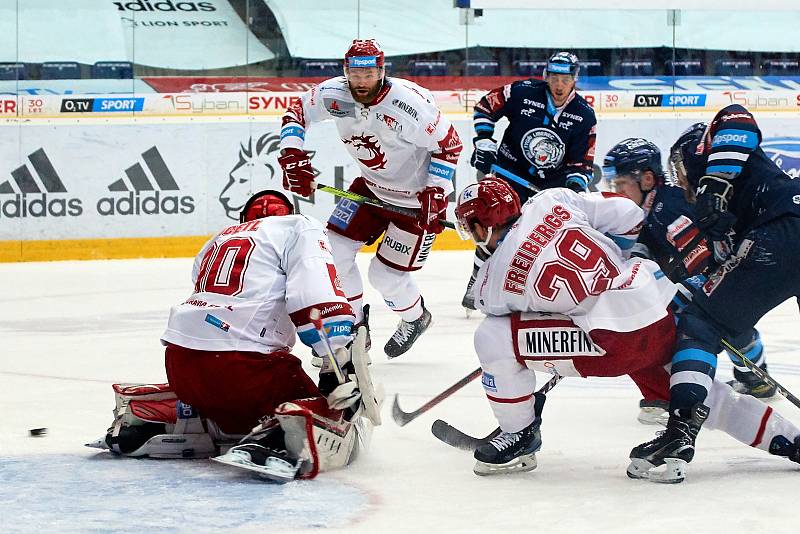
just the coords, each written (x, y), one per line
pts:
(712, 215)
(484, 155)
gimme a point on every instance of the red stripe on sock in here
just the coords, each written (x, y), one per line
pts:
(762, 427)
(509, 401)
(406, 309)
(351, 299)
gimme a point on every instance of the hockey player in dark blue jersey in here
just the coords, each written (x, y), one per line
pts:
(549, 141)
(750, 211)
(633, 168)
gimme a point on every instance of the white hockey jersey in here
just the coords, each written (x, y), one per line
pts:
(401, 141)
(566, 255)
(255, 284)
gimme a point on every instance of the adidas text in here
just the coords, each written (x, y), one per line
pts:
(39, 205)
(148, 204)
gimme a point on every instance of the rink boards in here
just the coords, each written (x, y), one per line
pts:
(145, 181)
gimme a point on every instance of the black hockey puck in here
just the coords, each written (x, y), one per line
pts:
(37, 432)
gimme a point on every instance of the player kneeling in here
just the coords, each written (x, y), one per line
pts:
(562, 294)
(258, 284)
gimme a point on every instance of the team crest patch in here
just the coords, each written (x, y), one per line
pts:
(543, 148)
(488, 382)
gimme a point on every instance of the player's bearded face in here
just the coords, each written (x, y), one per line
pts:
(560, 85)
(364, 82)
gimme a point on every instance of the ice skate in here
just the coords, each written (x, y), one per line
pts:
(269, 464)
(468, 300)
(672, 448)
(510, 452)
(780, 446)
(653, 412)
(407, 333)
(747, 383)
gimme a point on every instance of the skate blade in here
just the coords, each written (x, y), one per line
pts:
(521, 464)
(98, 444)
(653, 416)
(468, 312)
(672, 472)
(316, 361)
(275, 470)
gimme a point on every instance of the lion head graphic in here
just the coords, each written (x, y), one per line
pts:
(256, 170)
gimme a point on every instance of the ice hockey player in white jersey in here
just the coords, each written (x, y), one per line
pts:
(228, 359)
(561, 294)
(407, 151)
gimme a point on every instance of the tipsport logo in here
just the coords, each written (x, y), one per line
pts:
(785, 152)
(36, 190)
(137, 194)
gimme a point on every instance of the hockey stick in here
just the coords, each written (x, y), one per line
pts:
(456, 438)
(316, 319)
(760, 373)
(410, 212)
(403, 418)
(497, 169)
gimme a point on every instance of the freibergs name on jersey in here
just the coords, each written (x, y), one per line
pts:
(555, 342)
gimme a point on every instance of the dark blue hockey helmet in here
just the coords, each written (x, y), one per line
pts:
(686, 155)
(562, 63)
(631, 157)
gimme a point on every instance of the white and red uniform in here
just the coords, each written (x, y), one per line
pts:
(401, 141)
(228, 344)
(560, 294)
(403, 144)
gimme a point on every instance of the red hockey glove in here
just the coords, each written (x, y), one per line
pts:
(433, 205)
(298, 174)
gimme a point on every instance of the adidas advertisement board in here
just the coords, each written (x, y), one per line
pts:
(78, 181)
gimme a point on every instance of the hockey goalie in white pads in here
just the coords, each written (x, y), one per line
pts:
(275, 268)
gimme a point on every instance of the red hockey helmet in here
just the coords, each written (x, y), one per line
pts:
(363, 53)
(490, 202)
(267, 203)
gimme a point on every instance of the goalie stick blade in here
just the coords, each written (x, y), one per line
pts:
(400, 417)
(455, 438)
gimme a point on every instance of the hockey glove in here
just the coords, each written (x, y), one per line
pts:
(298, 174)
(713, 217)
(577, 182)
(484, 155)
(433, 205)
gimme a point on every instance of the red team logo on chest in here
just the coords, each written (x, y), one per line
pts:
(374, 159)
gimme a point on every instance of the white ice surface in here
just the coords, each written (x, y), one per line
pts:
(69, 330)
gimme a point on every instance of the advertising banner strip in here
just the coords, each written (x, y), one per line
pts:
(243, 104)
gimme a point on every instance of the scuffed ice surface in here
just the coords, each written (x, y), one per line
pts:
(104, 493)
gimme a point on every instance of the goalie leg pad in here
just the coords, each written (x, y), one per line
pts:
(321, 438)
(149, 420)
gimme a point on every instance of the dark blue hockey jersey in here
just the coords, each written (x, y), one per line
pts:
(730, 150)
(669, 228)
(542, 144)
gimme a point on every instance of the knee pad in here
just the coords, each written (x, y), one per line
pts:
(344, 252)
(384, 279)
(492, 340)
(704, 335)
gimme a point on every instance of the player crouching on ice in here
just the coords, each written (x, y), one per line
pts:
(229, 364)
(561, 294)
